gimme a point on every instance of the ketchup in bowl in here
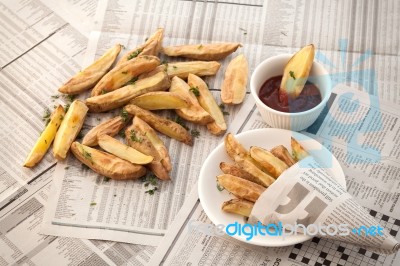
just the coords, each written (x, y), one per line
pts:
(308, 99)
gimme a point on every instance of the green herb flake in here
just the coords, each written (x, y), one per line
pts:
(219, 187)
(200, 46)
(66, 107)
(175, 67)
(222, 107)
(46, 116)
(93, 204)
(135, 138)
(291, 73)
(152, 191)
(180, 121)
(134, 54)
(69, 97)
(121, 133)
(195, 133)
(55, 96)
(124, 115)
(87, 155)
(103, 91)
(106, 179)
(195, 91)
(66, 168)
(132, 81)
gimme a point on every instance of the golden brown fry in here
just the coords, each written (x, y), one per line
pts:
(156, 141)
(113, 146)
(298, 151)
(163, 125)
(194, 113)
(138, 139)
(240, 187)
(122, 96)
(296, 73)
(282, 153)
(207, 101)
(233, 88)
(183, 69)
(268, 161)
(241, 156)
(123, 73)
(151, 47)
(207, 52)
(160, 100)
(88, 77)
(236, 170)
(238, 206)
(46, 138)
(110, 127)
(106, 164)
(69, 129)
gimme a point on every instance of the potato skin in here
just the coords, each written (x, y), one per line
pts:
(240, 187)
(107, 164)
(233, 88)
(208, 52)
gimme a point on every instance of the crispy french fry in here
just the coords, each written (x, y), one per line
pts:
(156, 141)
(194, 113)
(233, 88)
(123, 73)
(208, 52)
(110, 127)
(138, 139)
(183, 69)
(240, 187)
(268, 161)
(46, 138)
(160, 100)
(282, 153)
(236, 170)
(69, 129)
(238, 206)
(122, 96)
(88, 77)
(296, 73)
(151, 47)
(207, 101)
(163, 125)
(241, 156)
(106, 164)
(113, 146)
(298, 151)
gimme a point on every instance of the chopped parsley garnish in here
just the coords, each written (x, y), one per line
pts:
(195, 91)
(103, 91)
(69, 97)
(150, 179)
(134, 54)
(175, 67)
(219, 187)
(66, 168)
(180, 121)
(195, 133)
(222, 107)
(291, 73)
(93, 204)
(132, 81)
(151, 191)
(200, 46)
(135, 138)
(121, 133)
(55, 96)
(124, 115)
(46, 116)
(87, 155)
(66, 107)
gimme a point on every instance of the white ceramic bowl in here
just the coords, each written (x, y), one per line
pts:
(274, 66)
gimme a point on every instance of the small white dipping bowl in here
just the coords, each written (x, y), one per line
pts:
(274, 66)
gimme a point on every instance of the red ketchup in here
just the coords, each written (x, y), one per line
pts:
(308, 98)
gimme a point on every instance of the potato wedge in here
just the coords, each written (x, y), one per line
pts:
(296, 73)
(122, 96)
(298, 151)
(183, 69)
(46, 138)
(107, 164)
(268, 161)
(160, 100)
(207, 52)
(236, 170)
(113, 146)
(241, 156)
(110, 127)
(282, 153)
(162, 125)
(123, 73)
(155, 140)
(194, 113)
(69, 129)
(88, 77)
(233, 88)
(207, 101)
(151, 47)
(238, 206)
(240, 187)
(137, 139)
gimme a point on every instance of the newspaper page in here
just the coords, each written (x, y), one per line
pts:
(376, 191)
